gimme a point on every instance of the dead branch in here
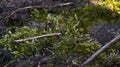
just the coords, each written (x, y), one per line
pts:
(36, 37)
(35, 7)
(100, 50)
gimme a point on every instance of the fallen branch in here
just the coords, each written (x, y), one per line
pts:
(100, 50)
(35, 7)
(32, 38)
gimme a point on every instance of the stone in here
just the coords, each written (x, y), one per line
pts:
(105, 32)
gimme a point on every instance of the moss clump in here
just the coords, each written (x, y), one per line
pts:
(74, 43)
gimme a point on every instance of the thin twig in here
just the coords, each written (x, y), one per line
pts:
(100, 50)
(35, 7)
(32, 38)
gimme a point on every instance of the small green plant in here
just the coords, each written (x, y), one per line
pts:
(74, 45)
(112, 4)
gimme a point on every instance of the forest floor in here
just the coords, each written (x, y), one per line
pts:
(16, 14)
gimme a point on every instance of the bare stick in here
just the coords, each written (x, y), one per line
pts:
(100, 50)
(32, 38)
(34, 7)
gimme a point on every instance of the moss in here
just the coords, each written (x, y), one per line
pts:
(75, 41)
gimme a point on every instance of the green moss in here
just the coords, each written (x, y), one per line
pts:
(75, 41)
